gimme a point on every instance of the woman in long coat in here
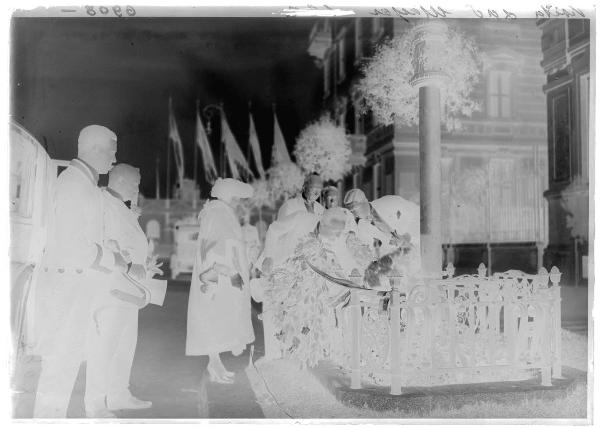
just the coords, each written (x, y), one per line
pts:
(219, 312)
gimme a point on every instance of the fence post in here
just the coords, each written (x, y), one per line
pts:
(546, 344)
(396, 360)
(355, 326)
(510, 329)
(556, 324)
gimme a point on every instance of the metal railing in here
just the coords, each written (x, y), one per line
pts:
(465, 329)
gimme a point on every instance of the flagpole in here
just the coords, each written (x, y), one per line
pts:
(222, 142)
(157, 178)
(248, 143)
(274, 108)
(168, 190)
(195, 201)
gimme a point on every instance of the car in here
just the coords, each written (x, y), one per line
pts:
(32, 179)
(185, 235)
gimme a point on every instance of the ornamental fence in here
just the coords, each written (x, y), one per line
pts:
(465, 329)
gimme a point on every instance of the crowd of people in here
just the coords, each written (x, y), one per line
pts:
(312, 253)
(89, 287)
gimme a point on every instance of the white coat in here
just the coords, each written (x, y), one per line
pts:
(219, 316)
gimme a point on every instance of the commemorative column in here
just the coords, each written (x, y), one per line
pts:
(429, 77)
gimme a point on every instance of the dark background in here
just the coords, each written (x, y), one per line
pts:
(69, 73)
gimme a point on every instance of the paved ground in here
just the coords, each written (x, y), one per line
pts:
(176, 384)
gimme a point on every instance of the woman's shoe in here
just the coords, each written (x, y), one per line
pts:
(219, 367)
(223, 377)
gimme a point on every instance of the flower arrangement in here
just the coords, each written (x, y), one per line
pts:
(386, 88)
(323, 147)
(285, 180)
(304, 318)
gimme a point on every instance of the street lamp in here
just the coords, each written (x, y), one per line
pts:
(209, 112)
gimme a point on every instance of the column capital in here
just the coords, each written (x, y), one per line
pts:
(429, 55)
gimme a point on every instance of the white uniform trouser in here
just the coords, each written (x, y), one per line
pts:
(55, 385)
(63, 306)
(111, 348)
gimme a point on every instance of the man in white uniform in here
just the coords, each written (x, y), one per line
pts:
(307, 200)
(113, 338)
(75, 267)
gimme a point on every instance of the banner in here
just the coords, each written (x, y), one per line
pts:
(234, 154)
(208, 161)
(280, 152)
(255, 146)
(177, 146)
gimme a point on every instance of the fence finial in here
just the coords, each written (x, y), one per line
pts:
(555, 275)
(450, 270)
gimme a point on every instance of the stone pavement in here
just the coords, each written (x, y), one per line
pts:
(178, 387)
(176, 384)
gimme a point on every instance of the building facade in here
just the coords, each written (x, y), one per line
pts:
(494, 170)
(566, 62)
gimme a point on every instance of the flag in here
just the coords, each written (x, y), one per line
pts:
(280, 152)
(177, 146)
(208, 161)
(254, 144)
(233, 152)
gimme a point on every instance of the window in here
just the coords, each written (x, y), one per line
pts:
(358, 48)
(584, 112)
(561, 136)
(377, 28)
(350, 123)
(499, 94)
(348, 182)
(579, 30)
(341, 120)
(376, 180)
(388, 178)
(367, 182)
(23, 169)
(326, 77)
(341, 55)
(358, 119)
(355, 180)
